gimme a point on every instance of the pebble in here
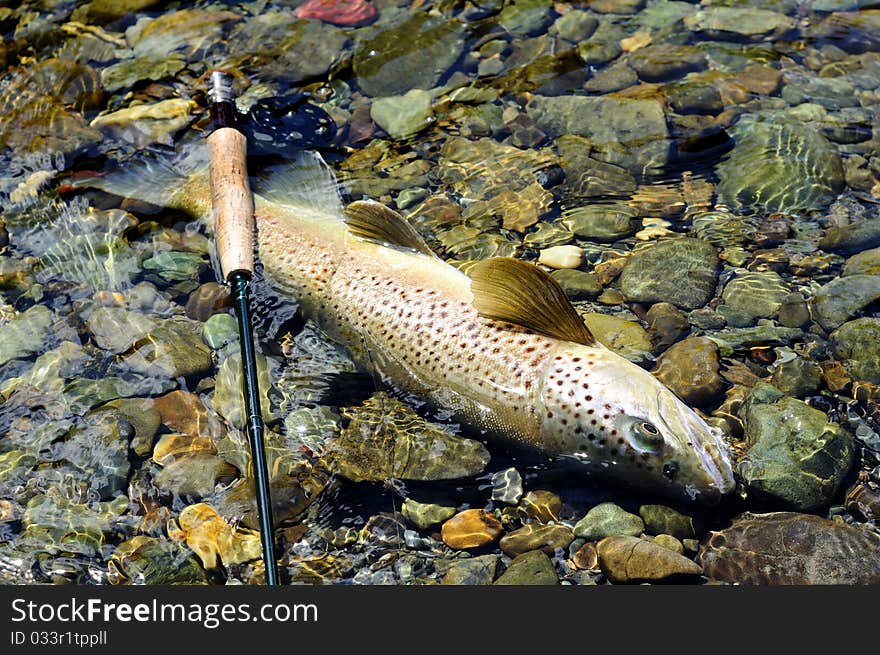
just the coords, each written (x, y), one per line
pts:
(601, 222)
(542, 506)
(586, 557)
(608, 519)
(507, 486)
(666, 325)
(424, 515)
(630, 559)
(219, 330)
(691, 369)
(660, 519)
(536, 537)
(678, 271)
(562, 257)
(670, 542)
(532, 568)
(403, 116)
(472, 571)
(662, 61)
(471, 528)
(577, 285)
(207, 300)
(851, 238)
(576, 25)
(627, 338)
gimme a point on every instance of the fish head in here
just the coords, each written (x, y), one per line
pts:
(624, 424)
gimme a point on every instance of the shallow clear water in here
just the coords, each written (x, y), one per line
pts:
(497, 129)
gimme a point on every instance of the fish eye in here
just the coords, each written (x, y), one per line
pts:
(647, 435)
(670, 469)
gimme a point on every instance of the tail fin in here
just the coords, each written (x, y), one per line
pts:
(180, 182)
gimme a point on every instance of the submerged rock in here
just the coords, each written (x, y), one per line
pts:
(678, 271)
(507, 486)
(791, 548)
(660, 519)
(385, 439)
(173, 349)
(471, 528)
(214, 540)
(413, 54)
(24, 333)
(532, 568)
(795, 454)
(630, 559)
(629, 132)
(852, 238)
(472, 571)
(780, 165)
(627, 338)
(145, 560)
(536, 537)
(424, 515)
(691, 369)
(729, 23)
(841, 298)
(405, 115)
(857, 343)
(751, 295)
(608, 519)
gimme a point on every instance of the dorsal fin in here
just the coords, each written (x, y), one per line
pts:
(373, 221)
(306, 182)
(513, 291)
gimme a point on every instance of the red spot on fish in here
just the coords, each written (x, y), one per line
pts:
(347, 13)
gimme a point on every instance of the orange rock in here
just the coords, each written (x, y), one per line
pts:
(183, 412)
(586, 558)
(471, 528)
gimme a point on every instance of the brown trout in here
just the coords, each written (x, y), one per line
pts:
(503, 350)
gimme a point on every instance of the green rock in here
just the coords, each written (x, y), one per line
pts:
(98, 448)
(751, 295)
(841, 298)
(144, 419)
(797, 377)
(795, 454)
(695, 99)
(627, 338)
(691, 369)
(863, 263)
(117, 329)
(173, 349)
(599, 222)
(608, 519)
(129, 72)
(424, 515)
(472, 571)
(678, 271)
(852, 238)
(670, 542)
(576, 25)
(577, 285)
(779, 165)
(857, 343)
(57, 524)
(663, 61)
(660, 519)
(532, 568)
(219, 330)
(152, 561)
(586, 176)
(385, 439)
(613, 77)
(762, 335)
(15, 465)
(82, 394)
(50, 369)
(24, 333)
(403, 116)
(628, 132)
(526, 17)
(194, 476)
(176, 265)
(726, 22)
(413, 54)
(228, 400)
(547, 235)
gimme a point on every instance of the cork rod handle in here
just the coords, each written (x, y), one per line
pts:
(232, 201)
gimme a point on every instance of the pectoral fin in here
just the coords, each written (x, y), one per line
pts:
(373, 221)
(513, 291)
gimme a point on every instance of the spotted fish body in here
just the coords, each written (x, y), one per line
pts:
(411, 319)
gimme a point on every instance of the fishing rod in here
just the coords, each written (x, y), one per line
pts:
(233, 207)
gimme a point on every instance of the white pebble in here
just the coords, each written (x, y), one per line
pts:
(562, 257)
